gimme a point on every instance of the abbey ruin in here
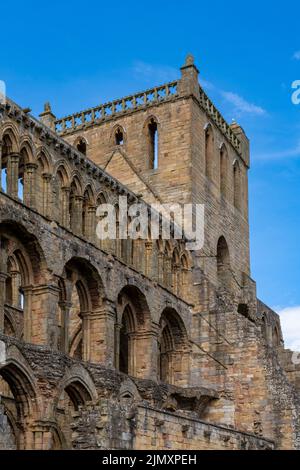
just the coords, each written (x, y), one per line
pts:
(134, 344)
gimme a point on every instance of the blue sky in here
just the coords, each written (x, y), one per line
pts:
(77, 54)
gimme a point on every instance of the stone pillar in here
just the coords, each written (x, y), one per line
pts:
(86, 344)
(148, 259)
(183, 290)
(144, 353)
(40, 314)
(12, 174)
(65, 319)
(77, 215)
(27, 314)
(3, 277)
(15, 284)
(160, 267)
(47, 210)
(188, 84)
(91, 223)
(47, 117)
(118, 327)
(167, 271)
(98, 329)
(30, 184)
(64, 207)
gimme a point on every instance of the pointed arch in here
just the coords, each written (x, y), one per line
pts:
(10, 159)
(223, 170)
(209, 150)
(134, 320)
(81, 295)
(81, 145)
(151, 132)
(175, 270)
(61, 193)
(89, 213)
(237, 185)
(75, 205)
(173, 347)
(118, 136)
(43, 181)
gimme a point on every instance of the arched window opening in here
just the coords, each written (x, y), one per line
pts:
(153, 144)
(165, 348)
(223, 263)
(8, 290)
(80, 295)
(75, 207)
(88, 215)
(21, 176)
(43, 185)
(8, 417)
(126, 345)
(81, 146)
(175, 270)
(209, 151)
(3, 182)
(119, 137)
(6, 150)
(103, 244)
(75, 323)
(73, 397)
(133, 347)
(173, 364)
(62, 197)
(18, 398)
(223, 170)
(184, 275)
(167, 270)
(14, 290)
(236, 185)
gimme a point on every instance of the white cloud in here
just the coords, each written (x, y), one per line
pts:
(290, 324)
(296, 55)
(281, 154)
(163, 73)
(242, 106)
(206, 84)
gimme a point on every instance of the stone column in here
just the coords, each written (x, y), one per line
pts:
(148, 258)
(64, 207)
(175, 278)
(188, 84)
(118, 327)
(145, 353)
(98, 330)
(40, 314)
(12, 174)
(47, 212)
(167, 271)
(65, 317)
(27, 314)
(91, 223)
(160, 267)
(3, 277)
(47, 117)
(30, 184)
(77, 216)
(15, 284)
(86, 344)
